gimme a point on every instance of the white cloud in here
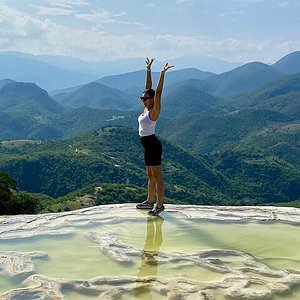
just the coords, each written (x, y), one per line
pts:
(97, 16)
(53, 11)
(100, 16)
(15, 24)
(67, 3)
(20, 31)
(136, 24)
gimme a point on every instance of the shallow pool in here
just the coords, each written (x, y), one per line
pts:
(124, 254)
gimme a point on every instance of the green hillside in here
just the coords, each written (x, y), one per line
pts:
(226, 149)
(76, 122)
(263, 177)
(213, 130)
(113, 155)
(27, 98)
(184, 99)
(281, 95)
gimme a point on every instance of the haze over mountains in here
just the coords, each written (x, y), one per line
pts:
(247, 118)
(187, 92)
(59, 72)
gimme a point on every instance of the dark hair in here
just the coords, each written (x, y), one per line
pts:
(149, 92)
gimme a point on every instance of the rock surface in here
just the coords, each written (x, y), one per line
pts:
(249, 279)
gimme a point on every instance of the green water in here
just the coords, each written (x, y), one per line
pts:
(76, 257)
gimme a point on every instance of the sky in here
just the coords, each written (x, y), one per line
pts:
(94, 30)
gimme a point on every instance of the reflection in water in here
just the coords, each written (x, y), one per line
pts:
(149, 256)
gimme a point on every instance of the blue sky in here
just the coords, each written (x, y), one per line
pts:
(232, 30)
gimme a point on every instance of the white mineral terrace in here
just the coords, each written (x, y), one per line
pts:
(118, 252)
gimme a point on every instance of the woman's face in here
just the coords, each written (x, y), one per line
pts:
(147, 101)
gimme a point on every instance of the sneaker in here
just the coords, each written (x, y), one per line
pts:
(156, 210)
(145, 205)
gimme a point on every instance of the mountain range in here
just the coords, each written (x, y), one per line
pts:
(60, 72)
(187, 92)
(243, 124)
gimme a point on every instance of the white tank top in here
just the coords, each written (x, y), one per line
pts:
(146, 126)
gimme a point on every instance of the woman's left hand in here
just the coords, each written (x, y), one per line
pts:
(166, 67)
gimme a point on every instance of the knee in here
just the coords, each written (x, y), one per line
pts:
(157, 176)
(150, 175)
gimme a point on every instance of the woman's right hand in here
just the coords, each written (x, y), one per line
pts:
(149, 62)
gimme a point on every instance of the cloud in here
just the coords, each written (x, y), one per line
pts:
(98, 16)
(15, 24)
(136, 24)
(67, 3)
(101, 16)
(21, 32)
(82, 34)
(52, 11)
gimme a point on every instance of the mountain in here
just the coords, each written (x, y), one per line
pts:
(98, 69)
(207, 63)
(3, 82)
(20, 68)
(27, 98)
(134, 82)
(248, 77)
(214, 130)
(95, 95)
(60, 72)
(183, 99)
(26, 112)
(90, 70)
(289, 64)
(281, 95)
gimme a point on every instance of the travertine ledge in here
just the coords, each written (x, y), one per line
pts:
(63, 223)
(249, 279)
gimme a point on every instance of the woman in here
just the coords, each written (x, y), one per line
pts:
(152, 146)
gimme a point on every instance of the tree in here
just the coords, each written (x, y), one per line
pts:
(7, 185)
(15, 203)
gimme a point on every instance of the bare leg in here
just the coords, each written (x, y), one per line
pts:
(159, 184)
(151, 185)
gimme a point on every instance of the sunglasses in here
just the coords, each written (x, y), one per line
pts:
(145, 98)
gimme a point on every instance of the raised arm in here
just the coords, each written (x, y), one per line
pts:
(155, 111)
(149, 62)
